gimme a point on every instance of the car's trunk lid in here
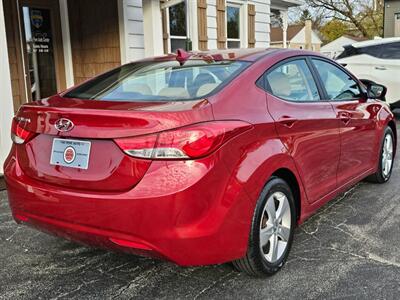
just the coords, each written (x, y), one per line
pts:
(98, 122)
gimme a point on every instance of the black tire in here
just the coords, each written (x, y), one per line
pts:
(255, 263)
(379, 176)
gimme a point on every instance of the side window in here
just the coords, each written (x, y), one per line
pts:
(392, 51)
(338, 84)
(293, 81)
(374, 51)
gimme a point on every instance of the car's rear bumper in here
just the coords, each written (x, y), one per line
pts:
(191, 213)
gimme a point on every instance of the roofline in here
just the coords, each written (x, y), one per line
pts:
(285, 3)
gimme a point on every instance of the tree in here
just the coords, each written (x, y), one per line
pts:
(363, 15)
(305, 15)
(333, 30)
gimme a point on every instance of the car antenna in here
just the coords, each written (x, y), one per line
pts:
(182, 56)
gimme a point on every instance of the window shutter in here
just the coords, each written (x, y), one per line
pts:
(221, 26)
(164, 27)
(202, 24)
(251, 25)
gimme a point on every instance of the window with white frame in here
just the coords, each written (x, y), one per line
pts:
(233, 23)
(177, 25)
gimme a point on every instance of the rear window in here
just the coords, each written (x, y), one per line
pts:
(374, 51)
(160, 81)
(392, 51)
(384, 51)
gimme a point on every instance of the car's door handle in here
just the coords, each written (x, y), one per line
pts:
(287, 121)
(345, 117)
(380, 68)
(376, 108)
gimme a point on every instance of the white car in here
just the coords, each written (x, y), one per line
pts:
(378, 61)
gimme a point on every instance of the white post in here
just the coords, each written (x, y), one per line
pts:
(193, 32)
(244, 39)
(284, 17)
(7, 106)
(153, 33)
(66, 37)
(122, 19)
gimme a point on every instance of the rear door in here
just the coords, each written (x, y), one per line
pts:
(357, 118)
(379, 63)
(307, 126)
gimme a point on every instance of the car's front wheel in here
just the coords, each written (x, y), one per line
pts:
(386, 158)
(272, 229)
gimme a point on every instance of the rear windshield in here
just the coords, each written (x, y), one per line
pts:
(159, 81)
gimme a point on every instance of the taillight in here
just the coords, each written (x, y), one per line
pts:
(189, 142)
(19, 135)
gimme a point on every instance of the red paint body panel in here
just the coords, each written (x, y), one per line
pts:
(310, 133)
(192, 212)
(358, 135)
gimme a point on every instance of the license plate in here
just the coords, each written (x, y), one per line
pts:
(70, 153)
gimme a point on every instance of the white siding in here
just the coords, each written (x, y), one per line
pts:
(212, 24)
(300, 38)
(134, 32)
(262, 25)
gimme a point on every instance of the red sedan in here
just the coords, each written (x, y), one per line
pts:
(199, 158)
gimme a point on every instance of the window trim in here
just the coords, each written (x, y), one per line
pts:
(335, 64)
(177, 37)
(263, 83)
(241, 22)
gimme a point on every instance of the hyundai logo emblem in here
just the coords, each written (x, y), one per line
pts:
(64, 125)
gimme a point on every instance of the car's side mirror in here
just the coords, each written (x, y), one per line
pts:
(375, 90)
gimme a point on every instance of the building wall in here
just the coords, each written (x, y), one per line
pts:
(134, 35)
(133, 29)
(212, 23)
(95, 45)
(300, 38)
(315, 46)
(391, 7)
(262, 21)
(291, 45)
(14, 54)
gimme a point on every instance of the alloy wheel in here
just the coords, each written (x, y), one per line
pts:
(275, 227)
(387, 156)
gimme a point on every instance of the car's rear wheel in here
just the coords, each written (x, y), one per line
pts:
(386, 158)
(272, 229)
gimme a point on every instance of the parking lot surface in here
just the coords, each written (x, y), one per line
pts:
(349, 250)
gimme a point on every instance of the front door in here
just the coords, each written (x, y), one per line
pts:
(357, 121)
(42, 48)
(307, 126)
